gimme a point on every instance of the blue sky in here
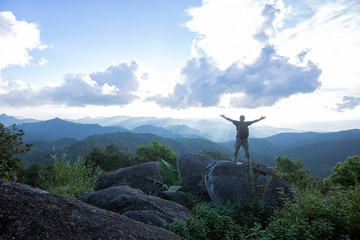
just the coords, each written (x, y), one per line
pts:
(294, 61)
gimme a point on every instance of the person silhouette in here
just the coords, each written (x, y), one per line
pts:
(242, 134)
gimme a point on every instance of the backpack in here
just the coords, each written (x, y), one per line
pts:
(243, 132)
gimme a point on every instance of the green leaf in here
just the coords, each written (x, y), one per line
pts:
(168, 171)
(173, 188)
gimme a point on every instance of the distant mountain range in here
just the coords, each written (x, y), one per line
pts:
(320, 152)
(214, 130)
(9, 120)
(57, 128)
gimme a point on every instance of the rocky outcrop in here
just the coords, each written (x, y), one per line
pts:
(134, 204)
(143, 176)
(29, 213)
(179, 197)
(228, 181)
(191, 167)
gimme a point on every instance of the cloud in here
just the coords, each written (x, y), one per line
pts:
(17, 38)
(348, 102)
(43, 61)
(263, 82)
(226, 30)
(122, 76)
(269, 13)
(114, 86)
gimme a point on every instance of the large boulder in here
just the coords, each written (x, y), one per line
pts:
(180, 197)
(255, 184)
(29, 213)
(137, 205)
(191, 167)
(143, 176)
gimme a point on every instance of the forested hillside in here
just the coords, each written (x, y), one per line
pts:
(297, 139)
(320, 152)
(126, 141)
(57, 128)
(319, 156)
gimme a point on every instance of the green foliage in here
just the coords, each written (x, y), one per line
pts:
(171, 174)
(313, 215)
(110, 159)
(153, 152)
(292, 170)
(71, 180)
(257, 192)
(11, 144)
(34, 175)
(347, 173)
(206, 221)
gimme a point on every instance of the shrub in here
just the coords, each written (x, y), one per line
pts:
(292, 170)
(334, 215)
(71, 180)
(153, 152)
(33, 175)
(206, 221)
(347, 173)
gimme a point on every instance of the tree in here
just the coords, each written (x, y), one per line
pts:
(347, 173)
(153, 152)
(33, 175)
(292, 170)
(109, 159)
(11, 144)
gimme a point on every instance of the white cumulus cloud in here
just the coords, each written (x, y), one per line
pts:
(117, 85)
(257, 76)
(17, 38)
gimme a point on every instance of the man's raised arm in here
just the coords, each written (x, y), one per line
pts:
(223, 116)
(261, 118)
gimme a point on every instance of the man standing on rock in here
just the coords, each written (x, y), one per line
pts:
(242, 134)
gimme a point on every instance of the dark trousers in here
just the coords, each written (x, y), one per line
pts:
(242, 142)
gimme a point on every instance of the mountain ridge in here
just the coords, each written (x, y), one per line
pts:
(217, 130)
(57, 128)
(319, 151)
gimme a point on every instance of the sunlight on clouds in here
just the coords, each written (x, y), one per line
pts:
(154, 81)
(226, 29)
(7, 86)
(332, 37)
(324, 38)
(109, 90)
(270, 78)
(293, 61)
(17, 38)
(301, 109)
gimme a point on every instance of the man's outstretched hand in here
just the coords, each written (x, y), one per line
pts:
(262, 117)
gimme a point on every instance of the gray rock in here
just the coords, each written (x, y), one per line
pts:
(179, 197)
(30, 213)
(135, 204)
(227, 181)
(151, 217)
(191, 167)
(142, 176)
